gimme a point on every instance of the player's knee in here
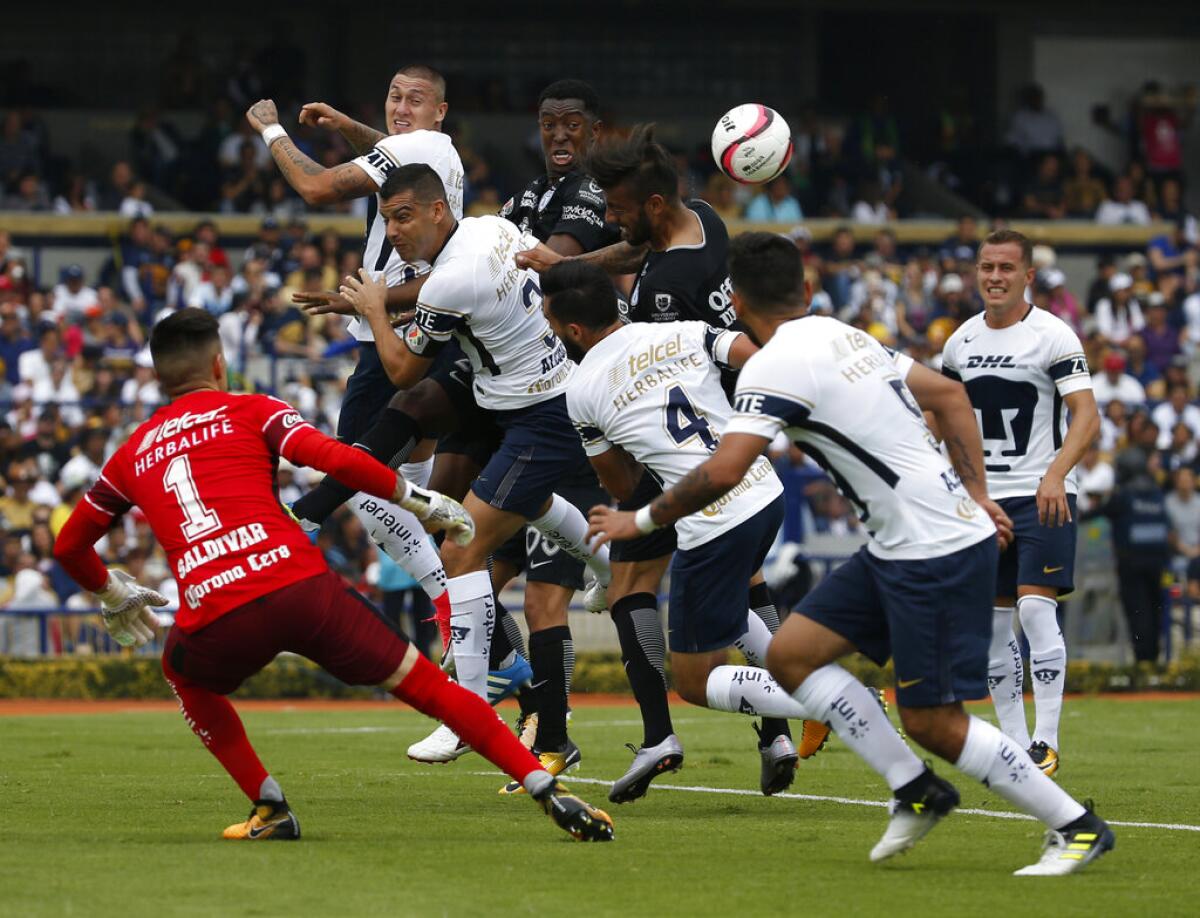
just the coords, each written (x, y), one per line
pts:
(424, 403)
(934, 729)
(785, 668)
(692, 689)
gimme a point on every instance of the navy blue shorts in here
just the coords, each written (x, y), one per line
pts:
(657, 544)
(1038, 555)
(540, 449)
(368, 391)
(710, 584)
(932, 616)
(541, 559)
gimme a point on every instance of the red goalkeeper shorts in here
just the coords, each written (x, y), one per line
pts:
(321, 618)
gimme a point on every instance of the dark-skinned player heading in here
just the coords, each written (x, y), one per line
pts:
(202, 469)
(677, 250)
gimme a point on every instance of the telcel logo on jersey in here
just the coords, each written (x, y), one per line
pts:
(642, 361)
(185, 421)
(991, 361)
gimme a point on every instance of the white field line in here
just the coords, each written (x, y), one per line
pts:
(852, 801)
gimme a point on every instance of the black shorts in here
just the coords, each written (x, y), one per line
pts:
(476, 436)
(658, 544)
(368, 391)
(1039, 555)
(542, 560)
(710, 584)
(933, 616)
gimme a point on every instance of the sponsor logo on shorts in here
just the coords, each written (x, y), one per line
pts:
(1047, 569)
(909, 683)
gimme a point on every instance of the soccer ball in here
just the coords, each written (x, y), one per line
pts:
(752, 144)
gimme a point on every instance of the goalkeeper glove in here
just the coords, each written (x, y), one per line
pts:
(124, 604)
(436, 511)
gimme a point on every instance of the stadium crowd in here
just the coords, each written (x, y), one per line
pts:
(75, 374)
(76, 377)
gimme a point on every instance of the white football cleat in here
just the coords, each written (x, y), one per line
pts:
(913, 817)
(439, 747)
(1072, 848)
(595, 596)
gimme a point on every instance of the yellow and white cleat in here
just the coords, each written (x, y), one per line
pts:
(1044, 758)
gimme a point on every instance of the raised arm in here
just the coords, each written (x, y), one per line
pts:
(360, 136)
(312, 181)
(619, 258)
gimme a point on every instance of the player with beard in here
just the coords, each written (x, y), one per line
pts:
(677, 249)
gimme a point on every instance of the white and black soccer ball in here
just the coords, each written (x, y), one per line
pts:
(752, 144)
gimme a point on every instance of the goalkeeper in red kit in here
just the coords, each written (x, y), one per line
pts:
(251, 586)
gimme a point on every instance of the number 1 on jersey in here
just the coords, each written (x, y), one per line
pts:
(199, 520)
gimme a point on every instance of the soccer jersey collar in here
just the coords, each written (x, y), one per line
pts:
(445, 242)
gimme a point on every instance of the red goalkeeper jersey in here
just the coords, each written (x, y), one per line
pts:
(202, 469)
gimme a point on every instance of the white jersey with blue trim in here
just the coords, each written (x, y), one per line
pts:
(437, 151)
(476, 294)
(841, 398)
(1016, 378)
(655, 391)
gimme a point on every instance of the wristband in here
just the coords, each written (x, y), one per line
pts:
(272, 133)
(645, 524)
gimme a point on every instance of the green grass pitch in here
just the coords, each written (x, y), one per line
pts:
(121, 814)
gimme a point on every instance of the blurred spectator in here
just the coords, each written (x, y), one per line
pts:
(134, 204)
(29, 194)
(18, 150)
(1172, 252)
(120, 182)
(83, 469)
(841, 268)
(775, 204)
(1146, 373)
(232, 155)
(1045, 198)
(245, 189)
(155, 148)
(1181, 451)
(1034, 128)
(46, 448)
(1060, 301)
(871, 206)
(1162, 340)
(1114, 384)
(142, 388)
(16, 505)
(1172, 209)
(1159, 120)
(1119, 315)
(1183, 510)
(72, 298)
(1083, 193)
(720, 193)
(1101, 285)
(1095, 478)
(59, 389)
(34, 365)
(187, 276)
(1141, 542)
(1176, 409)
(77, 196)
(14, 341)
(215, 294)
(1122, 207)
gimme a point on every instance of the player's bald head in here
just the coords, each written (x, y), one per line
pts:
(182, 347)
(429, 75)
(767, 272)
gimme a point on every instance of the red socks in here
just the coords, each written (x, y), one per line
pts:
(441, 615)
(213, 719)
(431, 692)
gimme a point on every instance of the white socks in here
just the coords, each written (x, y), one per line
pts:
(566, 527)
(751, 691)
(1047, 664)
(400, 536)
(996, 760)
(753, 644)
(831, 694)
(1006, 677)
(418, 472)
(472, 619)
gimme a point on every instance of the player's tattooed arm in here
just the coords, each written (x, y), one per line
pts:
(316, 184)
(620, 258)
(360, 136)
(695, 491)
